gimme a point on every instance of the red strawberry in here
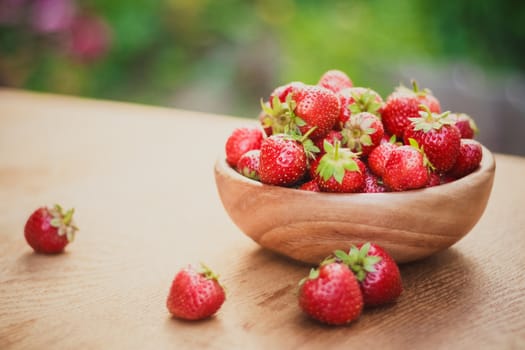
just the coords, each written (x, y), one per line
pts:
(373, 184)
(331, 294)
(404, 104)
(466, 125)
(248, 164)
(376, 271)
(379, 156)
(195, 295)
(362, 132)
(241, 141)
(283, 159)
(310, 186)
(439, 139)
(331, 137)
(356, 100)
(406, 168)
(335, 80)
(468, 160)
(49, 230)
(340, 170)
(277, 115)
(433, 179)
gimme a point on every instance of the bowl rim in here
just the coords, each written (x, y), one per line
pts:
(487, 164)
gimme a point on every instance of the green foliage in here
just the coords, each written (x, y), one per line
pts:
(241, 50)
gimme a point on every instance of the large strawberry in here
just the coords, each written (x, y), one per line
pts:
(335, 80)
(376, 271)
(362, 132)
(240, 141)
(435, 134)
(468, 160)
(406, 168)
(340, 170)
(49, 230)
(195, 295)
(404, 104)
(331, 294)
(284, 159)
(306, 107)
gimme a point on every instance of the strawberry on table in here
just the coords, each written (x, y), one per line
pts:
(49, 230)
(331, 294)
(340, 170)
(377, 273)
(241, 141)
(195, 295)
(437, 136)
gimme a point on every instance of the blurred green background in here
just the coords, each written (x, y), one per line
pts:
(223, 56)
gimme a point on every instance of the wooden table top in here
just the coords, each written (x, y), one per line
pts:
(141, 180)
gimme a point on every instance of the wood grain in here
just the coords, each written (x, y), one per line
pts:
(143, 214)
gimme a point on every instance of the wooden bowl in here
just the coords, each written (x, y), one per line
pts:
(308, 226)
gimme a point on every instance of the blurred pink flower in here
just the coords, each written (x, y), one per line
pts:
(11, 11)
(50, 16)
(90, 38)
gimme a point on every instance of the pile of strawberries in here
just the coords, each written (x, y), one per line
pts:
(335, 137)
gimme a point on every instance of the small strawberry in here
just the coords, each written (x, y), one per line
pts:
(335, 80)
(435, 134)
(379, 156)
(284, 159)
(468, 160)
(331, 137)
(340, 170)
(331, 294)
(406, 168)
(248, 164)
(241, 141)
(49, 230)
(433, 179)
(466, 125)
(310, 186)
(404, 104)
(195, 295)
(362, 132)
(373, 184)
(377, 273)
(356, 100)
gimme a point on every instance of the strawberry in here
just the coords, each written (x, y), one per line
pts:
(241, 141)
(335, 80)
(49, 230)
(373, 184)
(362, 132)
(379, 156)
(306, 107)
(466, 125)
(435, 134)
(332, 136)
(310, 186)
(195, 295)
(468, 160)
(283, 159)
(340, 170)
(404, 104)
(331, 294)
(377, 273)
(406, 168)
(355, 100)
(433, 179)
(248, 164)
